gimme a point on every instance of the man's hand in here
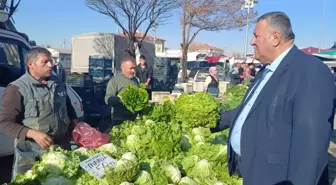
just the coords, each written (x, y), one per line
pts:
(114, 100)
(41, 138)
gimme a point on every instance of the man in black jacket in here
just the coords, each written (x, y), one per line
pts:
(236, 73)
(144, 73)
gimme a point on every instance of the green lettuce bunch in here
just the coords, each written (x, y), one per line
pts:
(234, 96)
(197, 110)
(134, 98)
(148, 139)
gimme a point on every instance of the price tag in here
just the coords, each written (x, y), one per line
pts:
(96, 164)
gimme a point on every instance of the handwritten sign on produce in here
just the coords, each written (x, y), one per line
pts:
(96, 164)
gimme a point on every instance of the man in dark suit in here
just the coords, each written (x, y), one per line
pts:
(281, 131)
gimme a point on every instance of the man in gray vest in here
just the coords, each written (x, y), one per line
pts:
(36, 111)
(116, 85)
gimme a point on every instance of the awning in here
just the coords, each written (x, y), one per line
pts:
(327, 54)
(214, 59)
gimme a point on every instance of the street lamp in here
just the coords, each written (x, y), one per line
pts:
(248, 5)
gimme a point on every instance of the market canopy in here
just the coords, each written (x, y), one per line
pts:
(214, 59)
(331, 54)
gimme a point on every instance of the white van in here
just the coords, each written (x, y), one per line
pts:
(13, 49)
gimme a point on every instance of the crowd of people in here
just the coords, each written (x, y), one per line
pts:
(242, 73)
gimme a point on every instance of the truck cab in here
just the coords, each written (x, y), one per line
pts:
(13, 49)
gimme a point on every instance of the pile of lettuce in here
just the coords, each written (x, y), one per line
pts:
(134, 98)
(197, 110)
(233, 97)
(171, 144)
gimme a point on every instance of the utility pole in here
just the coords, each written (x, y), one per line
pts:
(322, 22)
(154, 30)
(249, 4)
(64, 43)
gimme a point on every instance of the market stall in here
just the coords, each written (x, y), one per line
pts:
(169, 143)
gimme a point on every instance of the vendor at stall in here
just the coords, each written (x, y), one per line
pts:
(116, 85)
(36, 111)
(211, 83)
(145, 73)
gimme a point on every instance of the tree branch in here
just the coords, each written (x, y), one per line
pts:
(135, 14)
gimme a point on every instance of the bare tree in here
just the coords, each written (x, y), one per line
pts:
(132, 15)
(104, 44)
(208, 15)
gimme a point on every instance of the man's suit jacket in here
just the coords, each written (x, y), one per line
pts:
(287, 132)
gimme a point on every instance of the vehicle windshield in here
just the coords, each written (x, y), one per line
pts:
(9, 53)
(202, 64)
(10, 63)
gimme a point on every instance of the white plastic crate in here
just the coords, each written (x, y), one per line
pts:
(198, 86)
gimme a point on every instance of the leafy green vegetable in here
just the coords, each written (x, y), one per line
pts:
(84, 153)
(58, 181)
(126, 183)
(144, 178)
(58, 162)
(187, 181)
(143, 85)
(149, 139)
(164, 112)
(124, 171)
(29, 178)
(173, 174)
(86, 179)
(134, 98)
(171, 144)
(234, 96)
(197, 110)
(111, 150)
(237, 91)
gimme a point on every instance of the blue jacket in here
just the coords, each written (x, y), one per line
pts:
(287, 132)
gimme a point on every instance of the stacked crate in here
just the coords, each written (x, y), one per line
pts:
(100, 67)
(79, 80)
(96, 111)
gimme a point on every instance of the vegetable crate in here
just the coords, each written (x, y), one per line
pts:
(100, 62)
(86, 93)
(79, 80)
(198, 87)
(223, 86)
(101, 75)
(158, 96)
(75, 80)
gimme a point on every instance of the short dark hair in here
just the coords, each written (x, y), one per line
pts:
(143, 57)
(34, 52)
(280, 22)
(127, 59)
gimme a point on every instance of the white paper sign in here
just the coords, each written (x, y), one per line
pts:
(96, 164)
